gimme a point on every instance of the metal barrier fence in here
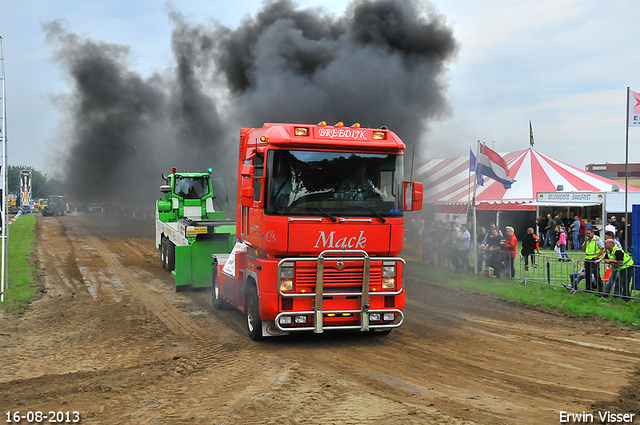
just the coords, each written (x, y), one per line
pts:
(551, 269)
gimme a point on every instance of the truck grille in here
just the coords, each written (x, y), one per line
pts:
(334, 280)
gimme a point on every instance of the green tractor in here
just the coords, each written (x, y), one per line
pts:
(55, 206)
(192, 230)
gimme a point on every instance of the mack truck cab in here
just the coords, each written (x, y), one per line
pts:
(319, 228)
(191, 227)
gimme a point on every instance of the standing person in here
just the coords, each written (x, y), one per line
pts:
(611, 228)
(562, 244)
(621, 266)
(581, 233)
(541, 222)
(463, 243)
(559, 223)
(449, 245)
(510, 247)
(482, 232)
(493, 251)
(594, 250)
(596, 229)
(575, 233)
(549, 240)
(530, 245)
(610, 235)
(622, 228)
(614, 222)
(439, 235)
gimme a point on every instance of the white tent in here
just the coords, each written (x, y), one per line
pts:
(449, 182)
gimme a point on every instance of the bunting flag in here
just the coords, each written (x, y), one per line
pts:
(530, 134)
(492, 165)
(634, 109)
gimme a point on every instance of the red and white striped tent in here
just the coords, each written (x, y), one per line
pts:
(448, 182)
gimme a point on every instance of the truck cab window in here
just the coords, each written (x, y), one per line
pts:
(191, 187)
(258, 173)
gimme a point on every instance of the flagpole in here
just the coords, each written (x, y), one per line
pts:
(475, 221)
(626, 177)
(4, 262)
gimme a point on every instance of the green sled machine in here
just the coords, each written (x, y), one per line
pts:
(192, 228)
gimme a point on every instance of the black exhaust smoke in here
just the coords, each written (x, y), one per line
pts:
(381, 63)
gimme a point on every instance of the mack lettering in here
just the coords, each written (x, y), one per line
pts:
(355, 242)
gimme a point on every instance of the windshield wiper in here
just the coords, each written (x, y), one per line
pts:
(374, 212)
(332, 218)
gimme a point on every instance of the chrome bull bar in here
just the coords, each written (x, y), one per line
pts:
(319, 294)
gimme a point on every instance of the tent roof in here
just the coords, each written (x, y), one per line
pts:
(447, 181)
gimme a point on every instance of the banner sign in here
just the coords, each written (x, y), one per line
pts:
(570, 197)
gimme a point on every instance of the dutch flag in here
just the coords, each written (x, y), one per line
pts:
(492, 165)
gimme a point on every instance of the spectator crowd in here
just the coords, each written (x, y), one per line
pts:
(448, 243)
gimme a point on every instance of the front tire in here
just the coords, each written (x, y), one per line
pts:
(163, 252)
(171, 256)
(252, 309)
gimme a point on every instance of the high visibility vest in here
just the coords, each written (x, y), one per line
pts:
(627, 261)
(591, 248)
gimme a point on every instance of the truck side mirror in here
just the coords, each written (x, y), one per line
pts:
(247, 190)
(246, 170)
(412, 196)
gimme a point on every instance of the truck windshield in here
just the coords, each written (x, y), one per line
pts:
(333, 183)
(191, 187)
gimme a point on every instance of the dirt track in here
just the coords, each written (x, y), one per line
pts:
(109, 338)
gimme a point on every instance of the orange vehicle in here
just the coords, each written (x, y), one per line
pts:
(319, 228)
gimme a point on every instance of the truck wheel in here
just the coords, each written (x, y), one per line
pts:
(254, 323)
(171, 256)
(163, 252)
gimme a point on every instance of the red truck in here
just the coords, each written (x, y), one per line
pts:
(319, 230)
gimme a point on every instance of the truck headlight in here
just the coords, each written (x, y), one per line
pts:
(374, 317)
(388, 282)
(300, 320)
(286, 271)
(388, 271)
(388, 317)
(286, 285)
(285, 320)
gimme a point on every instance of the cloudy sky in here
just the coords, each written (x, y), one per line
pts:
(563, 64)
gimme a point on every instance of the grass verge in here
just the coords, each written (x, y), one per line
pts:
(540, 296)
(21, 274)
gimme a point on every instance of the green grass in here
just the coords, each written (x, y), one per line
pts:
(540, 296)
(21, 275)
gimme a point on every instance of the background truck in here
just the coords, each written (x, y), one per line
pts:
(12, 203)
(191, 226)
(37, 206)
(320, 227)
(55, 206)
